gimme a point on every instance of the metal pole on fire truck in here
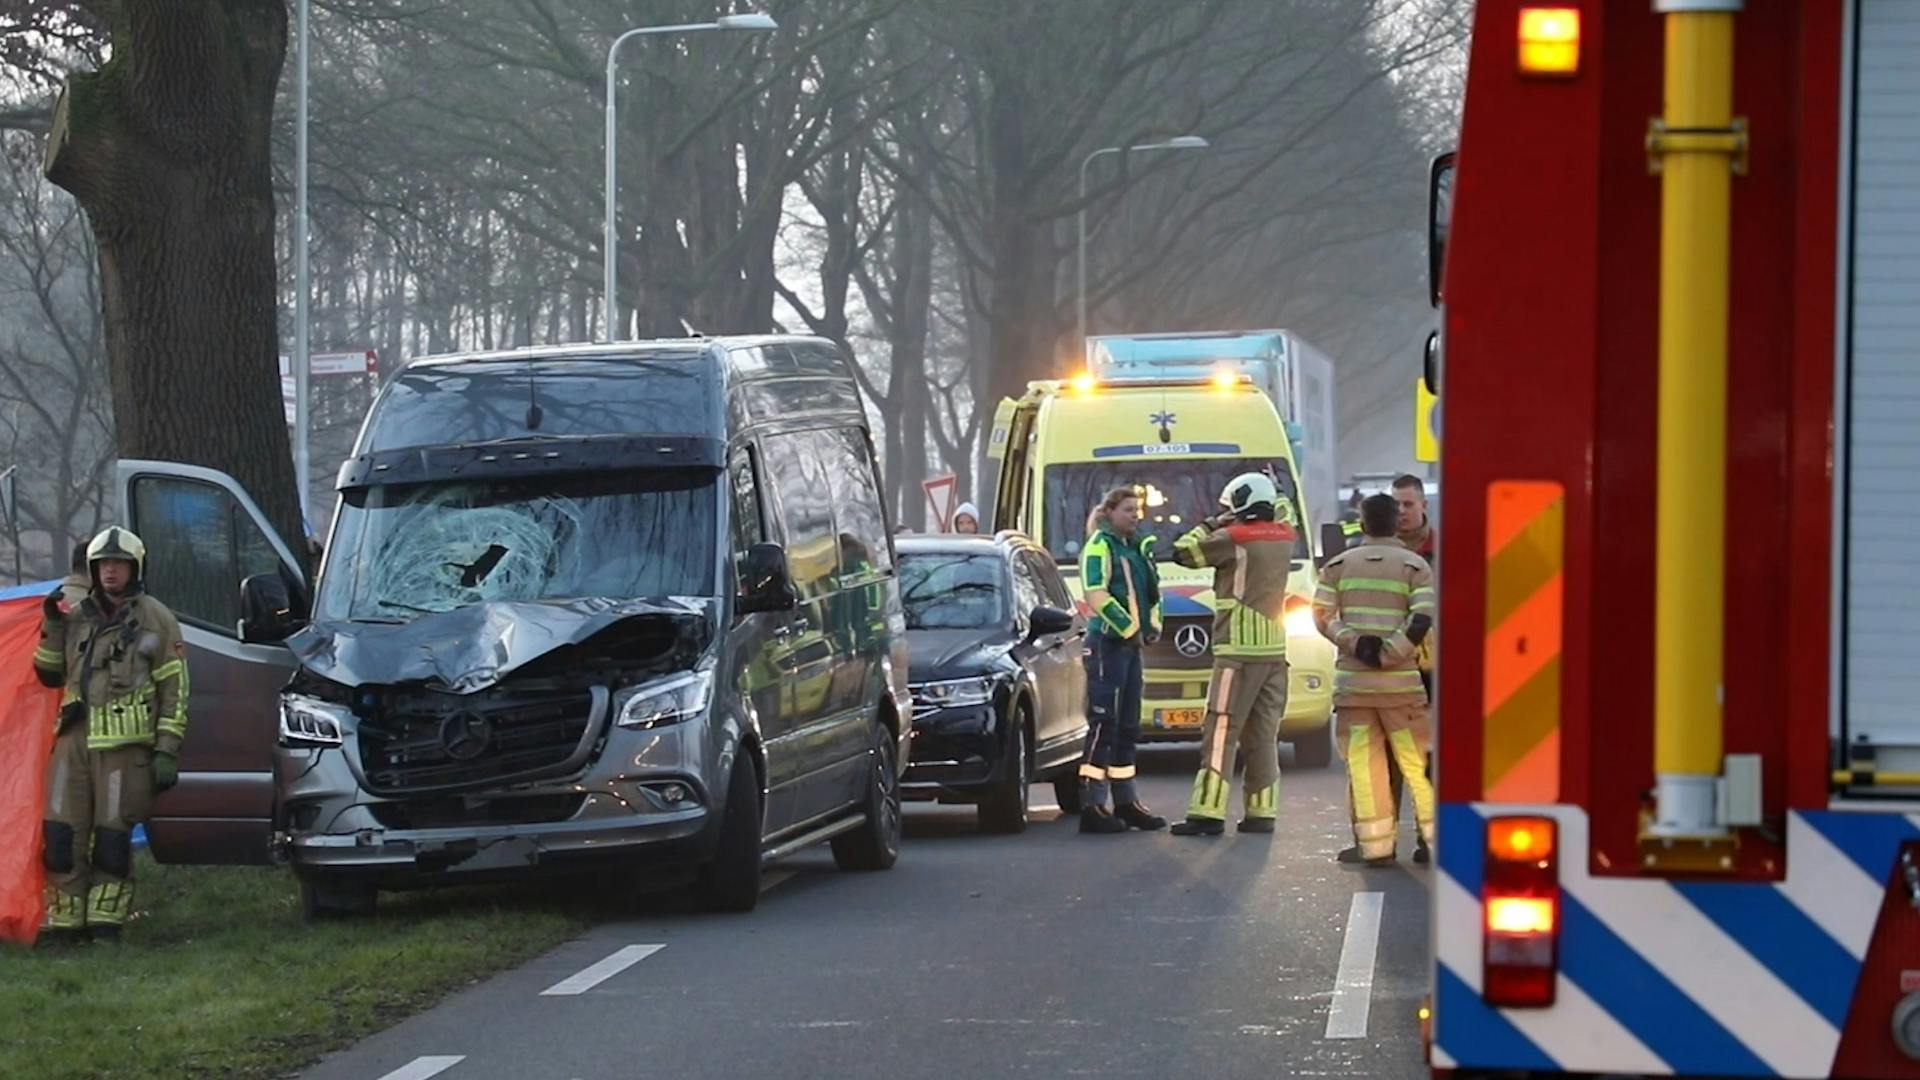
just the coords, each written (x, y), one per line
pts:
(1696, 148)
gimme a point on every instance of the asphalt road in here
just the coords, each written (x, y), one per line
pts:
(1044, 954)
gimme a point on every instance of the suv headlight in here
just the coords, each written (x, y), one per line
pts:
(309, 721)
(664, 701)
(952, 693)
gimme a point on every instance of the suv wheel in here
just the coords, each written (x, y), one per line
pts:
(1066, 792)
(876, 843)
(731, 881)
(1004, 809)
(332, 899)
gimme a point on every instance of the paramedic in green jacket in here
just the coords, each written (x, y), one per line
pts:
(1123, 594)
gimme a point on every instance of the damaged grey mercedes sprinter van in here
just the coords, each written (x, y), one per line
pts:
(626, 604)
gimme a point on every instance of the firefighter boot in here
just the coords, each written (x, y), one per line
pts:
(1128, 808)
(1352, 856)
(1094, 816)
(1200, 826)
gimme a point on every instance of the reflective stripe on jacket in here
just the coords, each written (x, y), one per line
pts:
(1251, 562)
(1122, 585)
(1375, 589)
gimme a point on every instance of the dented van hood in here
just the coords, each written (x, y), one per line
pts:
(473, 647)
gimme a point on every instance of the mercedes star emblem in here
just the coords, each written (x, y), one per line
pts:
(1191, 640)
(466, 735)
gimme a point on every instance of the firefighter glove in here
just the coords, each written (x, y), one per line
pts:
(1368, 650)
(166, 771)
(1417, 628)
(50, 607)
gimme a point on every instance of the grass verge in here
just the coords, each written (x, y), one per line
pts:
(220, 977)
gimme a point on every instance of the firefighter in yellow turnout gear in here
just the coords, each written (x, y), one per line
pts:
(1250, 548)
(1376, 603)
(119, 659)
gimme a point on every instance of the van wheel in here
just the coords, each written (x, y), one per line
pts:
(876, 843)
(333, 899)
(1004, 810)
(731, 881)
(1314, 751)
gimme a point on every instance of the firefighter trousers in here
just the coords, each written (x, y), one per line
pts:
(94, 799)
(1113, 719)
(1372, 737)
(1245, 703)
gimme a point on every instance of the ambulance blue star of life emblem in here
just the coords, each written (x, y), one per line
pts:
(1162, 419)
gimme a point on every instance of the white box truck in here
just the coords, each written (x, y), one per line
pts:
(1297, 376)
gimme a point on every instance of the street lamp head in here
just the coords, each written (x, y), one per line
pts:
(1187, 142)
(752, 20)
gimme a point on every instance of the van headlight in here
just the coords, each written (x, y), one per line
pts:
(309, 722)
(953, 693)
(664, 701)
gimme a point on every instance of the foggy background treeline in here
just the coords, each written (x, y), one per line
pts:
(900, 175)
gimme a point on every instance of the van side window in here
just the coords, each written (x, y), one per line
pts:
(856, 497)
(806, 509)
(749, 528)
(200, 545)
(1053, 590)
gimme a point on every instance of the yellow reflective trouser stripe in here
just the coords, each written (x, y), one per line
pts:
(109, 901)
(1122, 772)
(1093, 772)
(65, 911)
(1264, 803)
(1413, 767)
(1209, 796)
(1360, 769)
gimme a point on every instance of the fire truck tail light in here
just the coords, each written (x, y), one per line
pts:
(1516, 916)
(1521, 897)
(1550, 41)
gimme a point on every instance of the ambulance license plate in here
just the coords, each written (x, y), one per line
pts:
(1177, 718)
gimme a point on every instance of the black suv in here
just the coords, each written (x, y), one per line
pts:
(994, 664)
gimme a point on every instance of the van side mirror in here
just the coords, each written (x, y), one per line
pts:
(1333, 541)
(1047, 619)
(764, 585)
(268, 615)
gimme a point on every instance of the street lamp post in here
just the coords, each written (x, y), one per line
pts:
(1182, 142)
(302, 285)
(610, 241)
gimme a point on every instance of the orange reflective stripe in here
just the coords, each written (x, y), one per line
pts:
(1525, 611)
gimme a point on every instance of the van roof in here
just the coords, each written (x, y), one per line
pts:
(647, 349)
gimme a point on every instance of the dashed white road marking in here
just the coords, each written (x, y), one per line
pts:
(595, 974)
(1353, 985)
(421, 1068)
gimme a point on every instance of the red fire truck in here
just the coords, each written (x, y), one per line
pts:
(1679, 676)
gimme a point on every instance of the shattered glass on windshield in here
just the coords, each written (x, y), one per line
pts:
(405, 551)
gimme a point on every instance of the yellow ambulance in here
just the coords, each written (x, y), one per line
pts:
(1064, 444)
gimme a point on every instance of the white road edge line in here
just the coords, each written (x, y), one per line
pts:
(1353, 986)
(589, 977)
(421, 1068)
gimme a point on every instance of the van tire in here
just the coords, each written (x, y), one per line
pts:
(1314, 750)
(876, 843)
(332, 899)
(1004, 809)
(730, 881)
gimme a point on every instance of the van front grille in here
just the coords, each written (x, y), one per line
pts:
(445, 742)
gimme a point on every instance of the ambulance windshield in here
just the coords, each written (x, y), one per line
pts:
(1179, 493)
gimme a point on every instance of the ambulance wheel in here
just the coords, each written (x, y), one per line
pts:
(335, 899)
(1314, 750)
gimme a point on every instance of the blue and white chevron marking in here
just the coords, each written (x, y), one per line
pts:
(1658, 978)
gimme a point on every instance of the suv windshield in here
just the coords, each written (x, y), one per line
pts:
(1180, 493)
(948, 591)
(403, 551)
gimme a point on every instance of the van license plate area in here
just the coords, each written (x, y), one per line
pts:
(1178, 718)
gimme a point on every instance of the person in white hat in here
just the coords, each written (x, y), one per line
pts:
(967, 519)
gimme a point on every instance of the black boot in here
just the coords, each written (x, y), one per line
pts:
(1256, 825)
(1200, 826)
(1137, 816)
(105, 934)
(1098, 819)
(1422, 854)
(1352, 856)
(61, 937)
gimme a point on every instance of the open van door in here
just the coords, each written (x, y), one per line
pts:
(1009, 443)
(204, 537)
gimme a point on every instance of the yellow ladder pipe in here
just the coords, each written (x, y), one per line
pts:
(1693, 147)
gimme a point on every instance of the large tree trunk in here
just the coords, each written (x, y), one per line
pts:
(166, 148)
